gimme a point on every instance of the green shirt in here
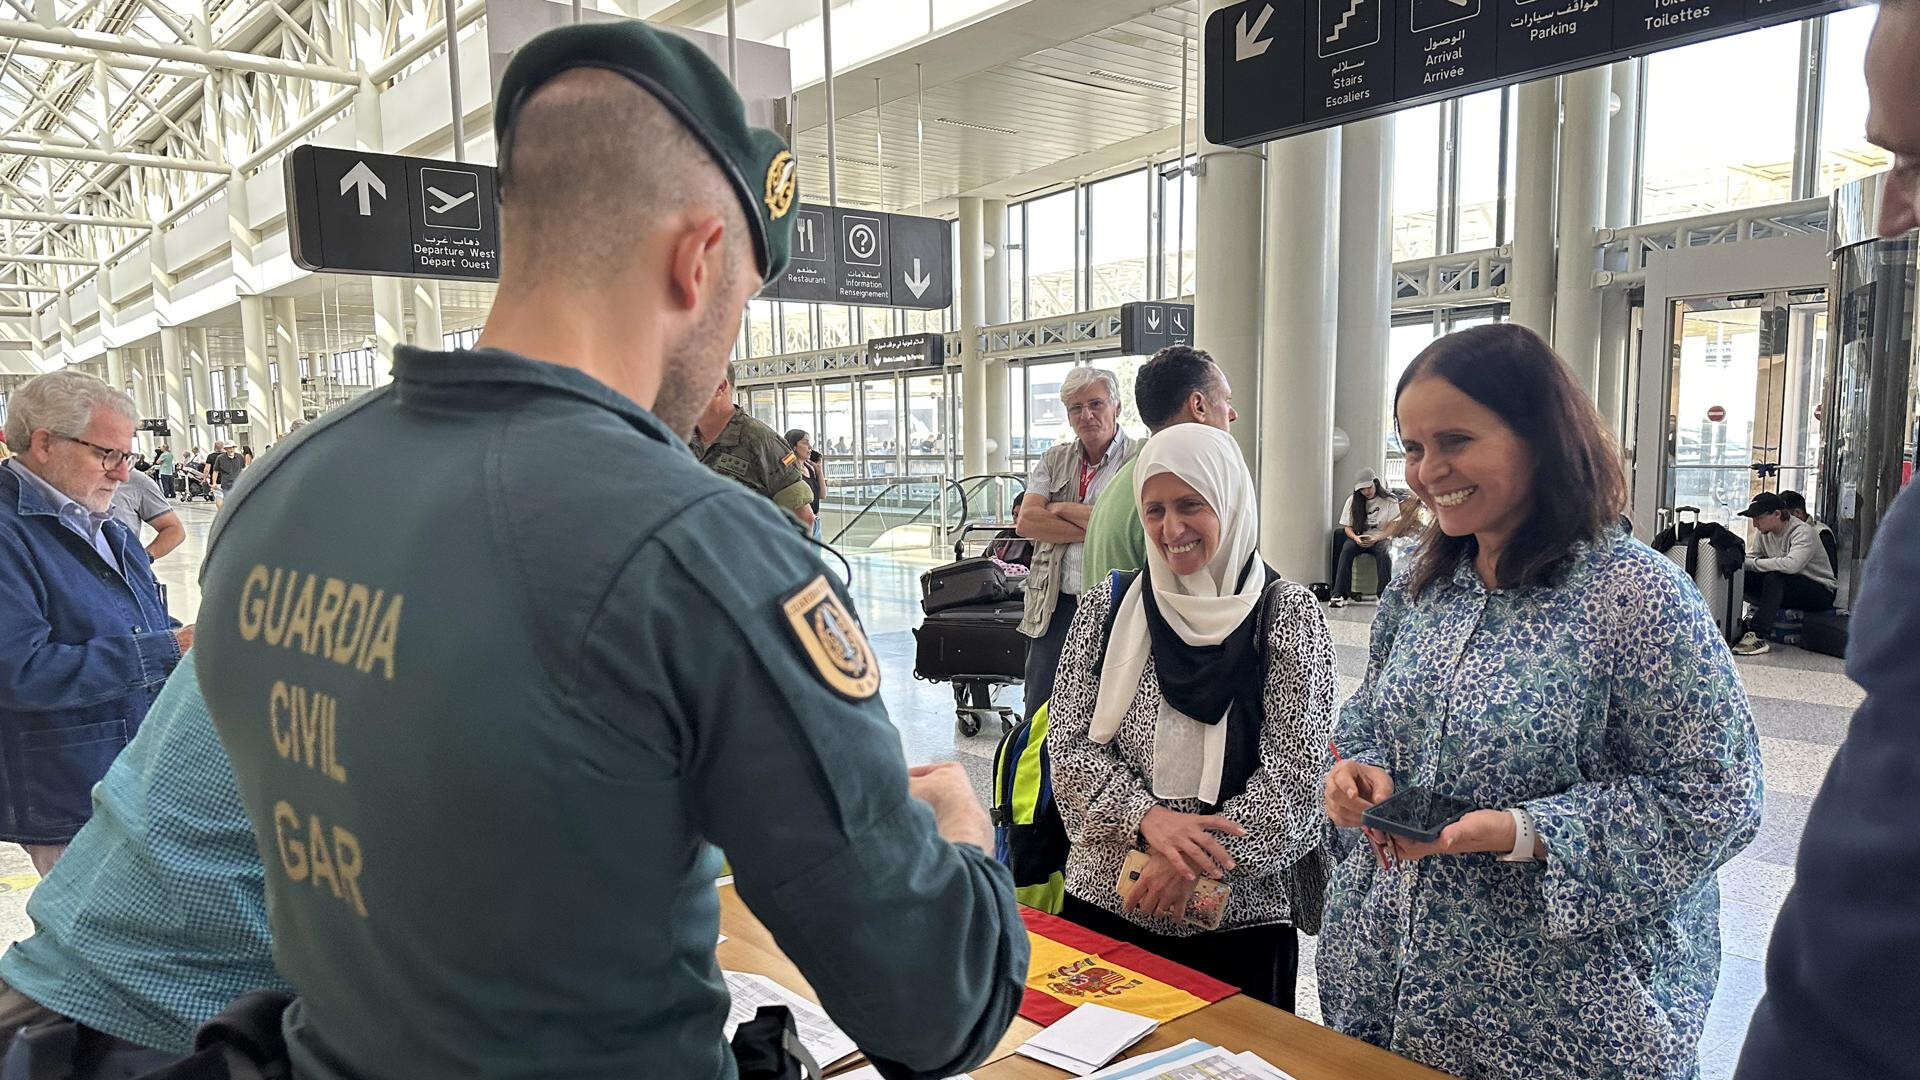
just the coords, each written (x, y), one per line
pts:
(754, 454)
(491, 723)
(1115, 539)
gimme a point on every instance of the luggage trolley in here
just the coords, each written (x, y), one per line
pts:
(971, 634)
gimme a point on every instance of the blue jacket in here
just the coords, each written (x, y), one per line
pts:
(84, 649)
(1841, 986)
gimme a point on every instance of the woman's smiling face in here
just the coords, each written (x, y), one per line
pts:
(1179, 522)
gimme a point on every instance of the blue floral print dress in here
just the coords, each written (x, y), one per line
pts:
(1608, 706)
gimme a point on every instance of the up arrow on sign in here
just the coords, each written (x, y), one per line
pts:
(1246, 45)
(916, 281)
(362, 177)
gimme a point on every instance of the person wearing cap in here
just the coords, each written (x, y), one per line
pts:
(1363, 523)
(1796, 504)
(632, 666)
(1787, 567)
(736, 444)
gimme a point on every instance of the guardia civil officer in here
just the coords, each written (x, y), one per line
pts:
(735, 443)
(492, 769)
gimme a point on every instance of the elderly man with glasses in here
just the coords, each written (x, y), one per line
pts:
(85, 642)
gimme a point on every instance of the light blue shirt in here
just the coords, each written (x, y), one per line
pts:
(156, 917)
(85, 523)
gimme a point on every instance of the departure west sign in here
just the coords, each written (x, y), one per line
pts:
(1281, 67)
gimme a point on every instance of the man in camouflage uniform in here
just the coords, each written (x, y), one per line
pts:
(731, 442)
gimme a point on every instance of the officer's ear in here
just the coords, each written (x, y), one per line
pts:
(694, 261)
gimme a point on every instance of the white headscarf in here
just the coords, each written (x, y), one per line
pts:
(1202, 607)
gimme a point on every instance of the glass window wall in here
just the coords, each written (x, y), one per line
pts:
(1480, 215)
(1176, 240)
(1118, 238)
(1416, 182)
(800, 409)
(834, 439)
(880, 425)
(1719, 124)
(1845, 153)
(1052, 247)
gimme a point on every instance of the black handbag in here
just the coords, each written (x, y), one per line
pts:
(768, 1048)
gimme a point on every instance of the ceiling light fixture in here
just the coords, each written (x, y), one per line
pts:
(951, 122)
(1134, 80)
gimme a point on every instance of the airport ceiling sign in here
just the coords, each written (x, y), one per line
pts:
(1146, 327)
(352, 212)
(909, 352)
(1282, 67)
(867, 257)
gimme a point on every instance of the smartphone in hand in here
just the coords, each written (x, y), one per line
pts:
(1416, 813)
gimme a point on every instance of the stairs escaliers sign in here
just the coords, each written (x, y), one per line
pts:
(1275, 68)
(354, 212)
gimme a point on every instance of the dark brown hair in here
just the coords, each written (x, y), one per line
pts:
(1578, 486)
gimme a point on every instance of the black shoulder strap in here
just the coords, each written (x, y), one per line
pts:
(1122, 581)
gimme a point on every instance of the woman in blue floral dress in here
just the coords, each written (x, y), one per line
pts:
(1540, 664)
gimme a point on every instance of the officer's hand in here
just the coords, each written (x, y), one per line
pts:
(184, 635)
(957, 812)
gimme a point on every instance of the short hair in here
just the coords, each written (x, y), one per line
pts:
(1579, 487)
(794, 436)
(589, 165)
(1795, 501)
(1163, 384)
(1082, 377)
(63, 402)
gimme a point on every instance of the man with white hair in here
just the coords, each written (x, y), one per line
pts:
(85, 642)
(1058, 504)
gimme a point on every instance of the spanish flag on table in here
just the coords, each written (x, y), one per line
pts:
(1072, 965)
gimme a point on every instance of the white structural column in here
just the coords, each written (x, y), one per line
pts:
(173, 362)
(286, 350)
(427, 331)
(973, 313)
(115, 369)
(993, 228)
(1581, 210)
(134, 365)
(1226, 280)
(1366, 296)
(256, 375)
(1530, 283)
(389, 294)
(200, 388)
(1623, 103)
(1296, 379)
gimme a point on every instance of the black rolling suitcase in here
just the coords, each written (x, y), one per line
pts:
(963, 584)
(979, 640)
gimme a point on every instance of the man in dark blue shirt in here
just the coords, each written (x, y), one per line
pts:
(1843, 970)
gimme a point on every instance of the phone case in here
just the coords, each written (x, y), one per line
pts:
(1207, 905)
(1381, 816)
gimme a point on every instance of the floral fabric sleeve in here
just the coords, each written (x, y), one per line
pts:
(1685, 793)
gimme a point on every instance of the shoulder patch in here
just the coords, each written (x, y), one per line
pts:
(832, 639)
(790, 459)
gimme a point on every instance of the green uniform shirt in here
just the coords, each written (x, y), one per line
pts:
(754, 454)
(1115, 539)
(491, 722)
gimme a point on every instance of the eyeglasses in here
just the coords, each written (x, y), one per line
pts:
(110, 459)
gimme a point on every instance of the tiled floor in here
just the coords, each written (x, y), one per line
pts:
(1802, 702)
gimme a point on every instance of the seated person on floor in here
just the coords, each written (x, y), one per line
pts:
(1365, 519)
(1797, 506)
(1786, 568)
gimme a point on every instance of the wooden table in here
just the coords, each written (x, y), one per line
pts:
(1301, 1047)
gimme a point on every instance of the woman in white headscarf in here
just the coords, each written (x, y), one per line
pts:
(1192, 724)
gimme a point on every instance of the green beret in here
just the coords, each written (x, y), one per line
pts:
(754, 160)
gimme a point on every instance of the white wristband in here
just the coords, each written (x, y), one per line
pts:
(1524, 835)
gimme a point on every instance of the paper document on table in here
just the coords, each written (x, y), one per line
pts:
(870, 1073)
(1087, 1038)
(822, 1038)
(1212, 1063)
(1144, 1064)
(1259, 1064)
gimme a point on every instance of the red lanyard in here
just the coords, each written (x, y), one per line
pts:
(1088, 470)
